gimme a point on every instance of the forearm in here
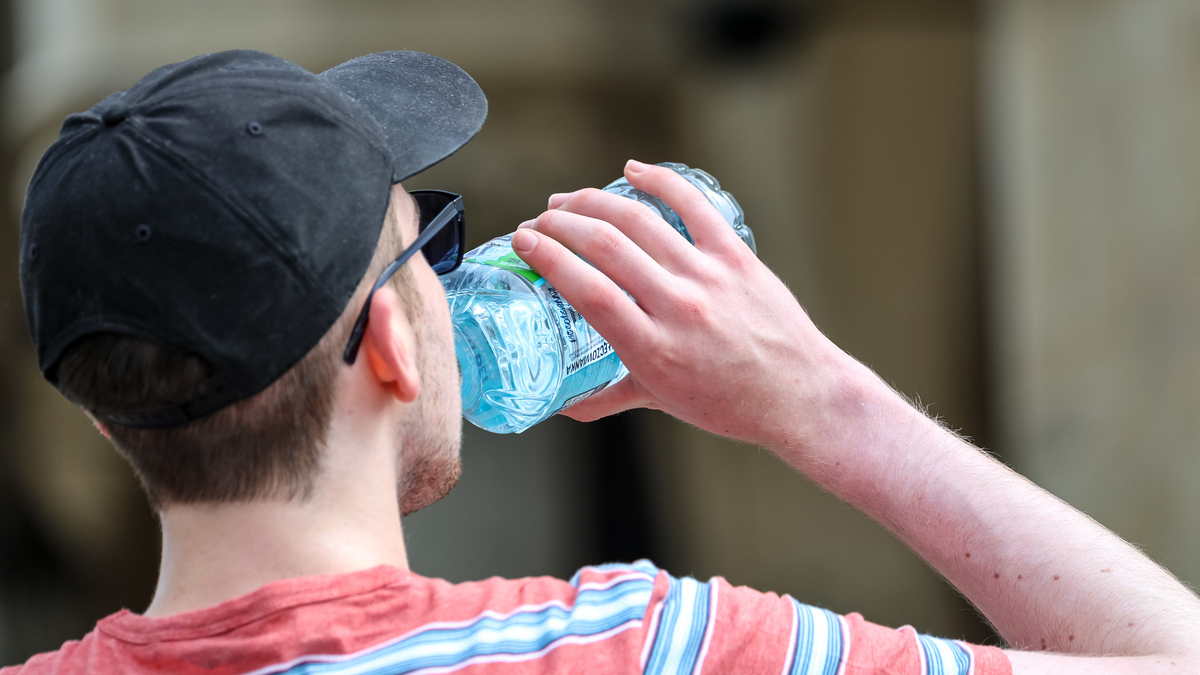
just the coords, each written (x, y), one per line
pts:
(1047, 576)
(712, 337)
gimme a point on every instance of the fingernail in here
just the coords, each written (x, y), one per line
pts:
(634, 166)
(556, 200)
(523, 241)
(525, 225)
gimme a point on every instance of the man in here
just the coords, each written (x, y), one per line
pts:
(219, 267)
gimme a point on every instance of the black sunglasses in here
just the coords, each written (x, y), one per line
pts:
(442, 247)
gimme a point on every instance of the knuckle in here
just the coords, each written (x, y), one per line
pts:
(693, 200)
(733, 252)
(607, 242)
(550, 259)
(695, 312)
(587, 196)
(713, 281)
(660, 360)
(584, 201)
(691, 308)
(548, 220)
(643, 216)
(622, 210)
(599, 303)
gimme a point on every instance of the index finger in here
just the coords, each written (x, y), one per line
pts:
(637, 221)
(605, 306)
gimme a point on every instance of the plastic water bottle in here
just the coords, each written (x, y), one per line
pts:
(524, 352)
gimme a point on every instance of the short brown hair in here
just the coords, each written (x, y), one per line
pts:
(269, 445)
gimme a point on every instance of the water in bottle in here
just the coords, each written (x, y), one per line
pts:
(524, 352)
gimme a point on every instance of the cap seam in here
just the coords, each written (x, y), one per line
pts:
(55, 154)
(361, 129)
(248, 216)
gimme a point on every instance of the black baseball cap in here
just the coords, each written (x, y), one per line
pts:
(228, 206)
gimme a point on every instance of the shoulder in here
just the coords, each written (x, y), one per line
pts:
(66, 660)
(595, 621)
(606, 595)
(600, 585)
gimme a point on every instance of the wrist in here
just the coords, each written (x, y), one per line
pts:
(848, 421)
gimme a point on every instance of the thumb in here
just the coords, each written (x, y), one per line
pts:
(624, 395)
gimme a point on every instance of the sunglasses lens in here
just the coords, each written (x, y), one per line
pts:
(448, 258)
(442, 251)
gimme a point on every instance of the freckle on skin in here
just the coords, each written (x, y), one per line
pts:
(997, 575)
(1070, 638)
(1056, 577)
(968, 555)
(1106, 570)
(1131, 624)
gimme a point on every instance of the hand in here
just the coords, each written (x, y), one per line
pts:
(710, 334)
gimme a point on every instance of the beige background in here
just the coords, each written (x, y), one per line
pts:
(992, 204)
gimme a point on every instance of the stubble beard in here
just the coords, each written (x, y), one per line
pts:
(432, 437)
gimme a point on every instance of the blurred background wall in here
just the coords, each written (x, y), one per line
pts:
(990, 203)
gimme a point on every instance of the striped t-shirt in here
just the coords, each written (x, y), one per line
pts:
(607, 619)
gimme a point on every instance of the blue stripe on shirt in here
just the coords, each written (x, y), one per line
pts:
(493, 637)
(819, 641)
(641, 566)
(682, 624)
(944, 657)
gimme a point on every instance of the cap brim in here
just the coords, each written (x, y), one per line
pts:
(426, 106)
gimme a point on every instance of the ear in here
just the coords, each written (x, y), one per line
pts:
(389, 345)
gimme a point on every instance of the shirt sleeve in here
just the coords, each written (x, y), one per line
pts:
(695, 627)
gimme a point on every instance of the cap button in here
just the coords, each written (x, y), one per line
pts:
(114, 113)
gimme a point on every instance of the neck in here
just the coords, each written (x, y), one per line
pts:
(351, 521)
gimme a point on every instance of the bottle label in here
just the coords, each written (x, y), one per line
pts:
(590, 363)
(498, 253)
(576, 399)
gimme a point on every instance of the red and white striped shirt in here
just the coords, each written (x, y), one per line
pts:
(607, 619)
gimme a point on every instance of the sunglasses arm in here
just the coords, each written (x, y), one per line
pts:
(360, 324)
